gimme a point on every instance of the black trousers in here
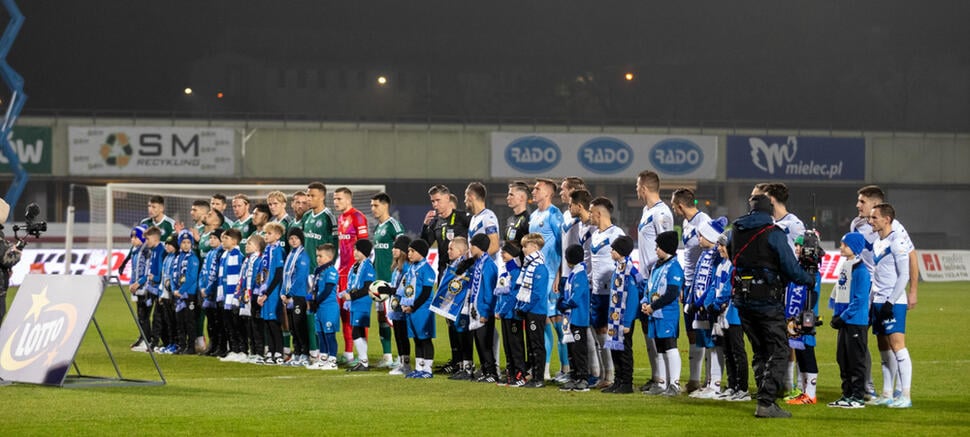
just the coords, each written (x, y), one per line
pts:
(851, 356)
(163, 322)
(299, 329)
(484, 341)
(424, 349)
(578, 356)
(145, 306)
(623, 360)
(736, 358)
(275, 336)
(764, 323)
(454, 342)
(186, 327)
(234, 330)
(535, 328)
(514, 346)
(401, 338)
(217, 338)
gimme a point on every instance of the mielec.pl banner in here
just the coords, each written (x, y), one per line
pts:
(34, 148)
(45, 325)
(796, 158)
(151, 151)
(603, 156)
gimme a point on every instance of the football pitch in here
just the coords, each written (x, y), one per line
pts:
(206, 397)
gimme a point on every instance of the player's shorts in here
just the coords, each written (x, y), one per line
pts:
(895, 325)
(360, 319)
(327, 319)
(663, 328)
(599, 308)
(703, 338)
(421, 324)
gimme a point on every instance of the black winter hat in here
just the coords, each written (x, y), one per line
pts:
(420, 246)
(667, 242)
(623, 245)
(481, 241)
(402, 242)
(299, 234)
(512, 249)
(364, 246)
(574, 254)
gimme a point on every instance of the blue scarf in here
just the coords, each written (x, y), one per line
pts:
(567, 294)
(449, 301)
(618, 294)
(476, 284)
(528, 276)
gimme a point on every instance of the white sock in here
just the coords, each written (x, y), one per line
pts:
(314, 353)
(673, 366)
(905, 366)
(361, 345)
(605, 359)
(802, 381)
(349, 355)
(428, 362)
(696, 357)
(387, 357)
(496, 348)
(467, 365)
(546, 373)
(286, 351)
(811, 382)
(419, 364)
(662, 375)
(716, 356)
(655, 370)
(889, 367)
(592, 354)
(790, 376)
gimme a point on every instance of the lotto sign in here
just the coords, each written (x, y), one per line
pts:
(944, 265)
(601, 156)
(151, 151)
(45, 326)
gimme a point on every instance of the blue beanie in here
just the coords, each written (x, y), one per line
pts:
(855, 241)
(186, 235)
(139, 232)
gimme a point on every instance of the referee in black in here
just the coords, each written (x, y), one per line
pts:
(442, 224)
(763, 265)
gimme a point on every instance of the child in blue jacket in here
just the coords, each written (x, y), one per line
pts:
(850, 315)
(532, 306)
(574, 304)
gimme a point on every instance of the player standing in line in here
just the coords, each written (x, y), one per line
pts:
(574, 304)
(351, 226)
(660, 303)
(701, 298)
(419, 282)
(889, 305)
(579, 207)
(241, 209)
(296, 271)
(571, 234)
(547, 221)
(357, 300)
(441, 225)
(208, 287)
(186, 279)
(157, 218)
(198, 211)
(261, 216)
(601, 268)
(323, 296)
(531, 299)
(850, 316)
(483, 220)
(505, 291)
(300, 204)
(387, 230)
(319, 227)
(870, 196)
(624, 296)
(685, 205)
(211, 221)
(656, 218)
(268, 294)
(226, 285)
(517, 225)
(219, 202)
(276, 201)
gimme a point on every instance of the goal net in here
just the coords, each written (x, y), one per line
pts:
(113, 209)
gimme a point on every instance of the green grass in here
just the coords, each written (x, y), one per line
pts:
(204, 396)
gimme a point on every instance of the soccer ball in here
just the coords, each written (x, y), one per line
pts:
(374, 294)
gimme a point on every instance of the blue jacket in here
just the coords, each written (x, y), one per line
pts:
(153, 267)
(575, 297)
(722, 292)
(538, 290)
(187, 276)
(229, 277)
(209, 275)
(856, 312)
(168, 274)
(631, 284)
(295, 273)
(359, 279)
(485, 298)
(505, 291)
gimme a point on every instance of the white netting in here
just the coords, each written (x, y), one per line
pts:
(128, 205)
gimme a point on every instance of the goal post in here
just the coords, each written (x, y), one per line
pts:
(116, 207)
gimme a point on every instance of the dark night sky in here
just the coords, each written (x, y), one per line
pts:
(889, 64)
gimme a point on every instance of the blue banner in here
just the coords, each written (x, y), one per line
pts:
(795, 158)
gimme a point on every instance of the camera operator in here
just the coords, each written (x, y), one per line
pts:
(764, 265)
(9, 257)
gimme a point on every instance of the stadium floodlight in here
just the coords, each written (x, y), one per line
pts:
(381, 80)
(628, 76)
(187, 91)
